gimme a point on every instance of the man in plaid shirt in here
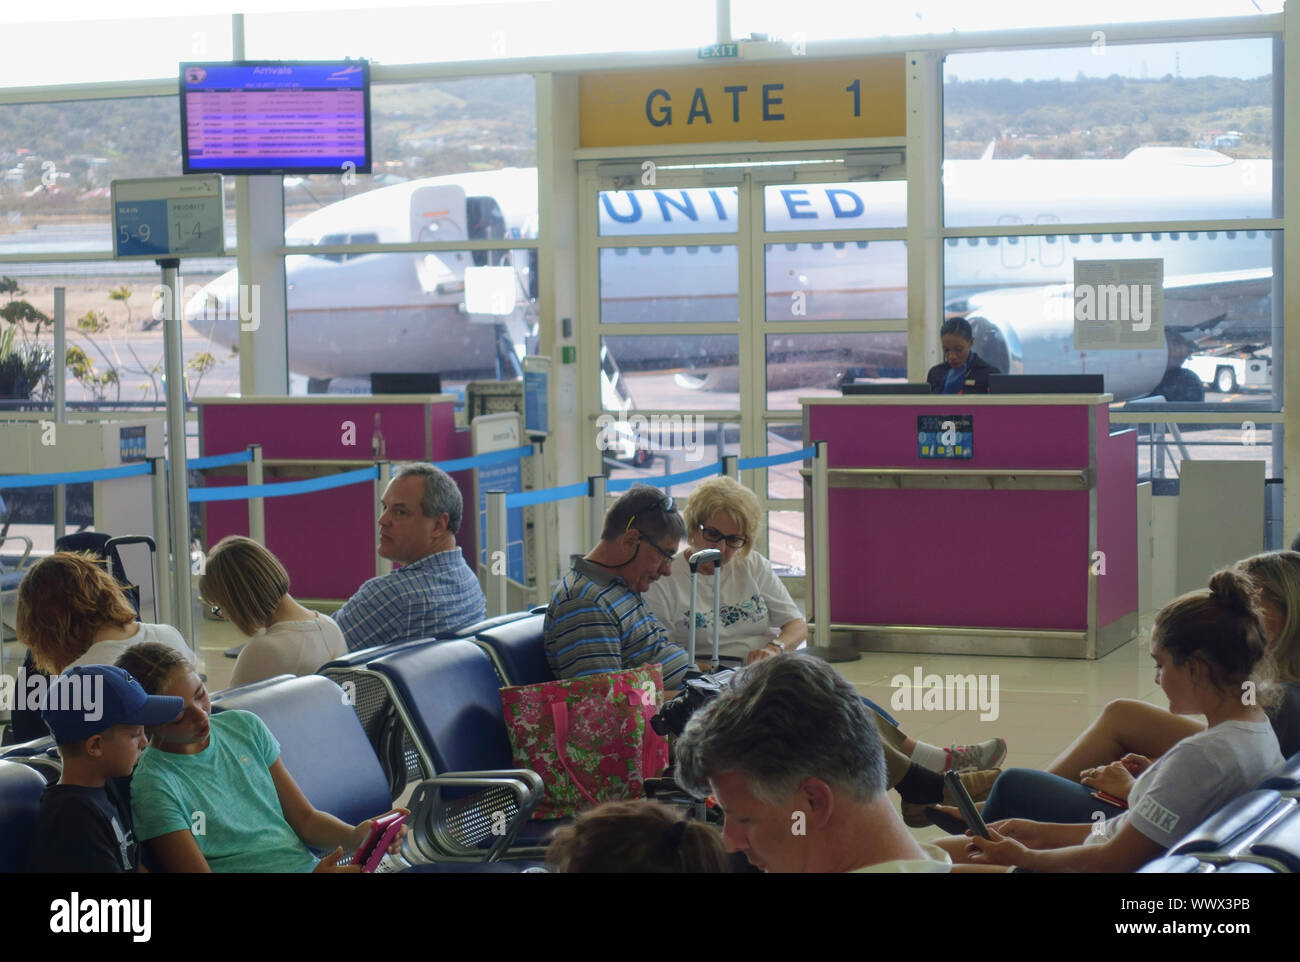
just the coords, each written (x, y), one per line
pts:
(434, 590)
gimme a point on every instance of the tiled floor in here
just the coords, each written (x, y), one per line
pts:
(1042, 703)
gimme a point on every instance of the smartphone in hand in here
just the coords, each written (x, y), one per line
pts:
(382, 832)
(969, 813)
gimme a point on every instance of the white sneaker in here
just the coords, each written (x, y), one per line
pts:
(987, 754)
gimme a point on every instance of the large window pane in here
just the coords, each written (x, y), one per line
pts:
(57, 161)
(838, 281)
(869, 206)
(668, 285)
(659, 372)
(835, 20)
(115, 333)
(1109, 133)
(1018, 294)
(784, 480)
(815, 365)
(785, 543)
(459, 157)
(1162, 448)
(353, 315)
(476, 31)
(99, 51)
(646, 448)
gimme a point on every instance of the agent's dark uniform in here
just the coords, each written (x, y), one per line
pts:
(974, 381)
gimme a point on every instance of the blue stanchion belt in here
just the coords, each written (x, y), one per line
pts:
(281, 489)
(525, 499)
(74, 477)
(482, 460)
(219, 460)
(748, 464)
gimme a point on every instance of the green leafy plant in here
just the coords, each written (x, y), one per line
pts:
(24, 362)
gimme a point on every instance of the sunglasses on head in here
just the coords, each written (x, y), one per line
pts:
(664, 505)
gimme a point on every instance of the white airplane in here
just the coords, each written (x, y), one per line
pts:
(353, 315)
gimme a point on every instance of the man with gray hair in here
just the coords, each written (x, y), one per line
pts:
(434, 590)
(792, 757)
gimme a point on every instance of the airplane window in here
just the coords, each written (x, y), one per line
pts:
(1174, 235)
(1155, 236)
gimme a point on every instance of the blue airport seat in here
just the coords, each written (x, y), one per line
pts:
(1190, 865)
(470, 631)
(448, 698)
(1279, 844)
(374, 707)
(1233, 826)
(321, 742)
(1286, 779)
(518, 651)
(20, 799)
(40, 755)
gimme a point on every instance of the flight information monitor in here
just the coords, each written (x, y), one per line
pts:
(275, 117)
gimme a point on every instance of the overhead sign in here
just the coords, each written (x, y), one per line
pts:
(775, 100)
(159, 217)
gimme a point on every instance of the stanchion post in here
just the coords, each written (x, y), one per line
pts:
(731, 466)
(541, 530)
(595, 508)
(821, 573)
(162, 543)
(496, 537)
(256, 506)
(382, 565)
(60, 400)
(178, 476)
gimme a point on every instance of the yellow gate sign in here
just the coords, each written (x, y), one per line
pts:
(777, 100)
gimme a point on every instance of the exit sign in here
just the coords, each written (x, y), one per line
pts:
(716, 50)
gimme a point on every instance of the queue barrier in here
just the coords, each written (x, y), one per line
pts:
(498, 503)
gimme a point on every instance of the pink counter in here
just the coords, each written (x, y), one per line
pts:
(326, 540)
(1027, 547)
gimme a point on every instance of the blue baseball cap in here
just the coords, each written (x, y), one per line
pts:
(89, 699)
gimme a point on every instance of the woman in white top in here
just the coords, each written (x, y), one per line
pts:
(250, 588)
(1207, 645)
(760, 619)
(71, 611)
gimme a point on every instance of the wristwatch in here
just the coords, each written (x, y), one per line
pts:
(780, 648)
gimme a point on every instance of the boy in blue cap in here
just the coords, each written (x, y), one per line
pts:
(97, 715)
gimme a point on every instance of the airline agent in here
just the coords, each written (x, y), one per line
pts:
(962, 371)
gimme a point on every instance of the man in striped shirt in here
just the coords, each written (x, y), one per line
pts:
(597, 620)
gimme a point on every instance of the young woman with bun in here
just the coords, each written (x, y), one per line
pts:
(1208, 647)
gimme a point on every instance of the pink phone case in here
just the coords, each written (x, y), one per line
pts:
(375, 847)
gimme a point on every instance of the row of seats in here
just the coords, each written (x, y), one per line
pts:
(436, 699)
(1257, 832)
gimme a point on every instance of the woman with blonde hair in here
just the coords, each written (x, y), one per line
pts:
(250, 588)
(72, 612)
(760, 619)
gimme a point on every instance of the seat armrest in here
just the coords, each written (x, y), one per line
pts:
(448, 830)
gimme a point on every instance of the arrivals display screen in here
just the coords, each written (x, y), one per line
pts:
(275, 117)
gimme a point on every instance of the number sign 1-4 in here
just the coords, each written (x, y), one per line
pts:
(160, 217)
